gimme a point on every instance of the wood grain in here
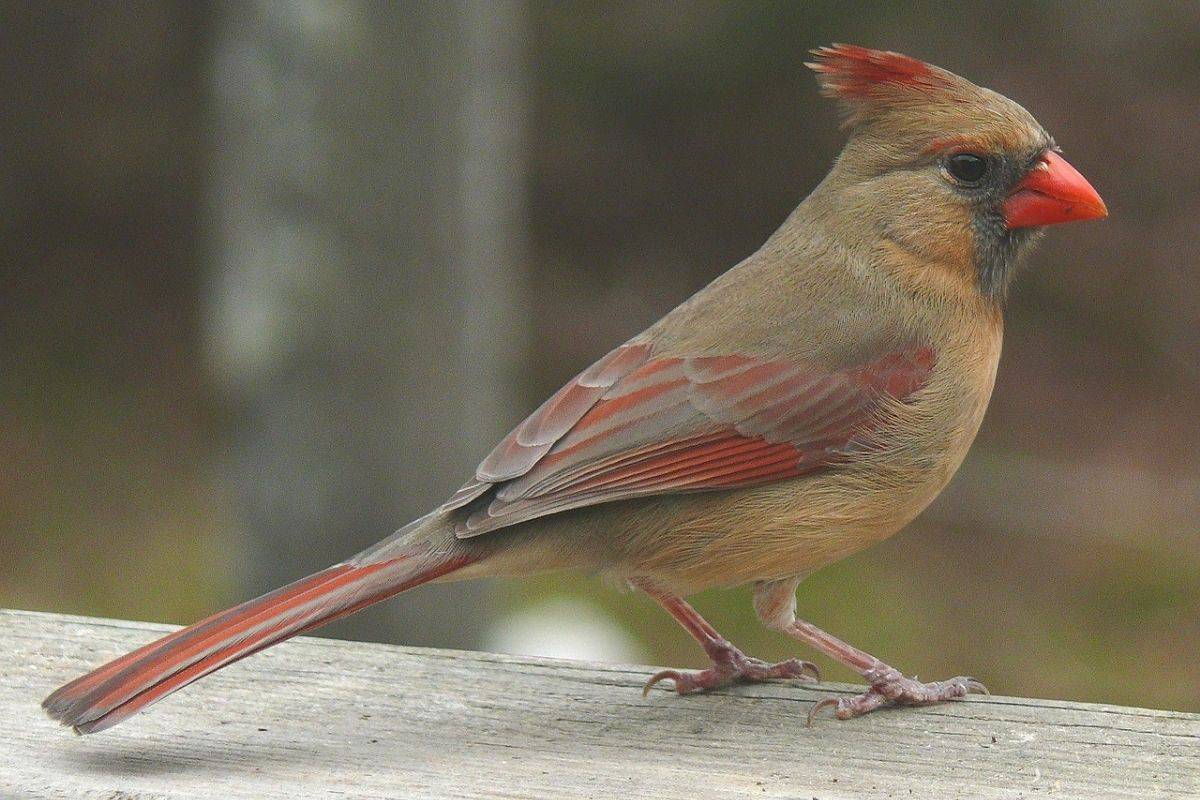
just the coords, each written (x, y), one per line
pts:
(321, 718)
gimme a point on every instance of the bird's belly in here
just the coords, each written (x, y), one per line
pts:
(770, 532)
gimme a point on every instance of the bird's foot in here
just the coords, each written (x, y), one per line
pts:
(731, 665)
(890, 687)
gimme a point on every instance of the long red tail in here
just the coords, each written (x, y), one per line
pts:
(125, 686)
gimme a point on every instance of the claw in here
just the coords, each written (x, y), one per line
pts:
(661, 675)
(816, 709)
(792, 669)
(974, 686)
(895, 689)
(736, 668)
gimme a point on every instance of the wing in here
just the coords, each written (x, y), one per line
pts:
(633, 425)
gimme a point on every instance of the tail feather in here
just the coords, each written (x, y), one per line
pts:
(123, 687)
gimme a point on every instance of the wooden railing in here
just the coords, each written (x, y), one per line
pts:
(323, 718)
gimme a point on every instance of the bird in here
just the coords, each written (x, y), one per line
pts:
(807, 403)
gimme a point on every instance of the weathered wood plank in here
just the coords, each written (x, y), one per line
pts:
(318, 718)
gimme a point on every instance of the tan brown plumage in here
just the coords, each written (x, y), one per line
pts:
(809, 402)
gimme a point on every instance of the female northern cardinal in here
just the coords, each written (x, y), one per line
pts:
(809, 402)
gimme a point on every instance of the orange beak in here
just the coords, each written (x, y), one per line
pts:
(1051, 193)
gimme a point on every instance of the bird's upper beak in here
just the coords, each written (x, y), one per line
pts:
(1052, 192)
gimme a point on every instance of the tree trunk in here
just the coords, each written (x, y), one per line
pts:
(366, 320)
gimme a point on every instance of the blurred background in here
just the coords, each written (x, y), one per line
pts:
(276, 276)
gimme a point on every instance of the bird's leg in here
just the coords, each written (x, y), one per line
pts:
(730, 664)
(775, 603)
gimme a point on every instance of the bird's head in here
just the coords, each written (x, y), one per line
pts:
(957, 175)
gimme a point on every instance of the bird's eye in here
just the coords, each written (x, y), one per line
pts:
(967, 167)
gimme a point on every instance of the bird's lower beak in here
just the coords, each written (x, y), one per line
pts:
(1051, 193)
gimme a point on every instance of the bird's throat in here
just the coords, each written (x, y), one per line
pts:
(999, 253)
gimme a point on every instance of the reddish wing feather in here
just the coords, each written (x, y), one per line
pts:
(674, 425)
(534, 437)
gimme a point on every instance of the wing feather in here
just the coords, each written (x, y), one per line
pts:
(534, 437)
(632, 425)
